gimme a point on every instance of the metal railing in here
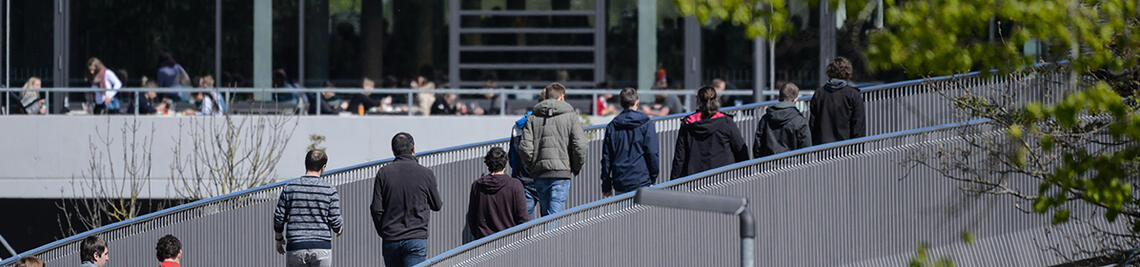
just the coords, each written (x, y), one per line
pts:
(849, 202)
(522, 98)
(234, 229)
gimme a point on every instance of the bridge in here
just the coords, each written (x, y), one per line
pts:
(850, 203)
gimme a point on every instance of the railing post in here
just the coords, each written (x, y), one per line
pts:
(137, 102)
(502, 103)
(317, 101)
(594, 104)
(410, 101)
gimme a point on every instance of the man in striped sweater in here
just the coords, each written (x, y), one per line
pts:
(308, 212)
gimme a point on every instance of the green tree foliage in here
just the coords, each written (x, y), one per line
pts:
(1081, 149)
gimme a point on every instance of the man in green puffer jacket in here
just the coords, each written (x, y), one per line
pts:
(553, 147)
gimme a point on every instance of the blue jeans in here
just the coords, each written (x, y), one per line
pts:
(405, 252)
(549, 193)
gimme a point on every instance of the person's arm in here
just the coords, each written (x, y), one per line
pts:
(652, 162)
(113, 84)
(804, 137)
(281, 212)
(858, 119)
(472, 218)
(739, 147)
(758, 139)
(336, 221)
(377, 206)
(526, 144)
(680, 153)
(521, 215)
(578, 148)
(607, 181)
(433, 193)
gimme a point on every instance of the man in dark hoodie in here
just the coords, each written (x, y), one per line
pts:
(553, 146)
(629, 149)
(783, 127)
(497, 200)
(402, 195)
(837, 108)
(707, 139)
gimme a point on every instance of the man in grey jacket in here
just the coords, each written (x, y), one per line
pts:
(553, 146)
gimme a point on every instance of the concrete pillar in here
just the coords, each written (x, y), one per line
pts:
(826, 39)
(263, 47)
(693, 52)
(62, 56)
(646, 43)
(759, 69)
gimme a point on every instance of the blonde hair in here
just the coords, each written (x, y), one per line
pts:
(28, 84)
(30, 261)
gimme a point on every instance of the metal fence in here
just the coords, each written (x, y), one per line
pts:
(848, 203)
(235, 229)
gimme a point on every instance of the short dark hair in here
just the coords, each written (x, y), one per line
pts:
(92, 245)
(496, 159)
(628, 97)
(30, 261)
(315, 160)
(707, 100)
(167, 248)
(554, 91)
(839, 68)
(403, 144)
(789, 91)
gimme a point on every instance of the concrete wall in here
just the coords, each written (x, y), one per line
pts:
(42, 154)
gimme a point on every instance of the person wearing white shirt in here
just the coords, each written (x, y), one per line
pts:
(104, 78)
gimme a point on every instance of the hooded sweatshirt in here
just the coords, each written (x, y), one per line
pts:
(629, 153)
(837, 113)
(707, 143)
(783, 128)
(553, 144)
(497, 202)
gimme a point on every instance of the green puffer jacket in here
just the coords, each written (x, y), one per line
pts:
(553, 144)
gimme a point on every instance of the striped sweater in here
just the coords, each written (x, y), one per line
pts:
(308, 211)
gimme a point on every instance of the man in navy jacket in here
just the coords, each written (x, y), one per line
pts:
(629, 151)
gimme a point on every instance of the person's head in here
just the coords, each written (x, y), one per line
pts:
(421, 80)
(659, 85)
(206, 81)
(403, 144)
(496, 160)
(30, 261)
(789, 92)
(33, 83)
(707, 102)
(94, 249)
(94, 65)
(150, 84)
(316, 160)
(168, 248)
(166, 60)
(840, 68)
(718, 84)
(367, 84)
(555, 91)
(629, 98)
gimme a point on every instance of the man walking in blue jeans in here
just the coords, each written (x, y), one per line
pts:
(402, 195)
(553, 146)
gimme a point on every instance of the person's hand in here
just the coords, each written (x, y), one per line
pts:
(607, 194)
(281, 247)
(106, 100)
(280, 243)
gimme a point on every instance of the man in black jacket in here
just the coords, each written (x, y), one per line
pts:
(783, 127)
(837, 107)
(629, 149)
(401, 198)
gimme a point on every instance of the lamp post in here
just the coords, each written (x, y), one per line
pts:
(730, 205)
